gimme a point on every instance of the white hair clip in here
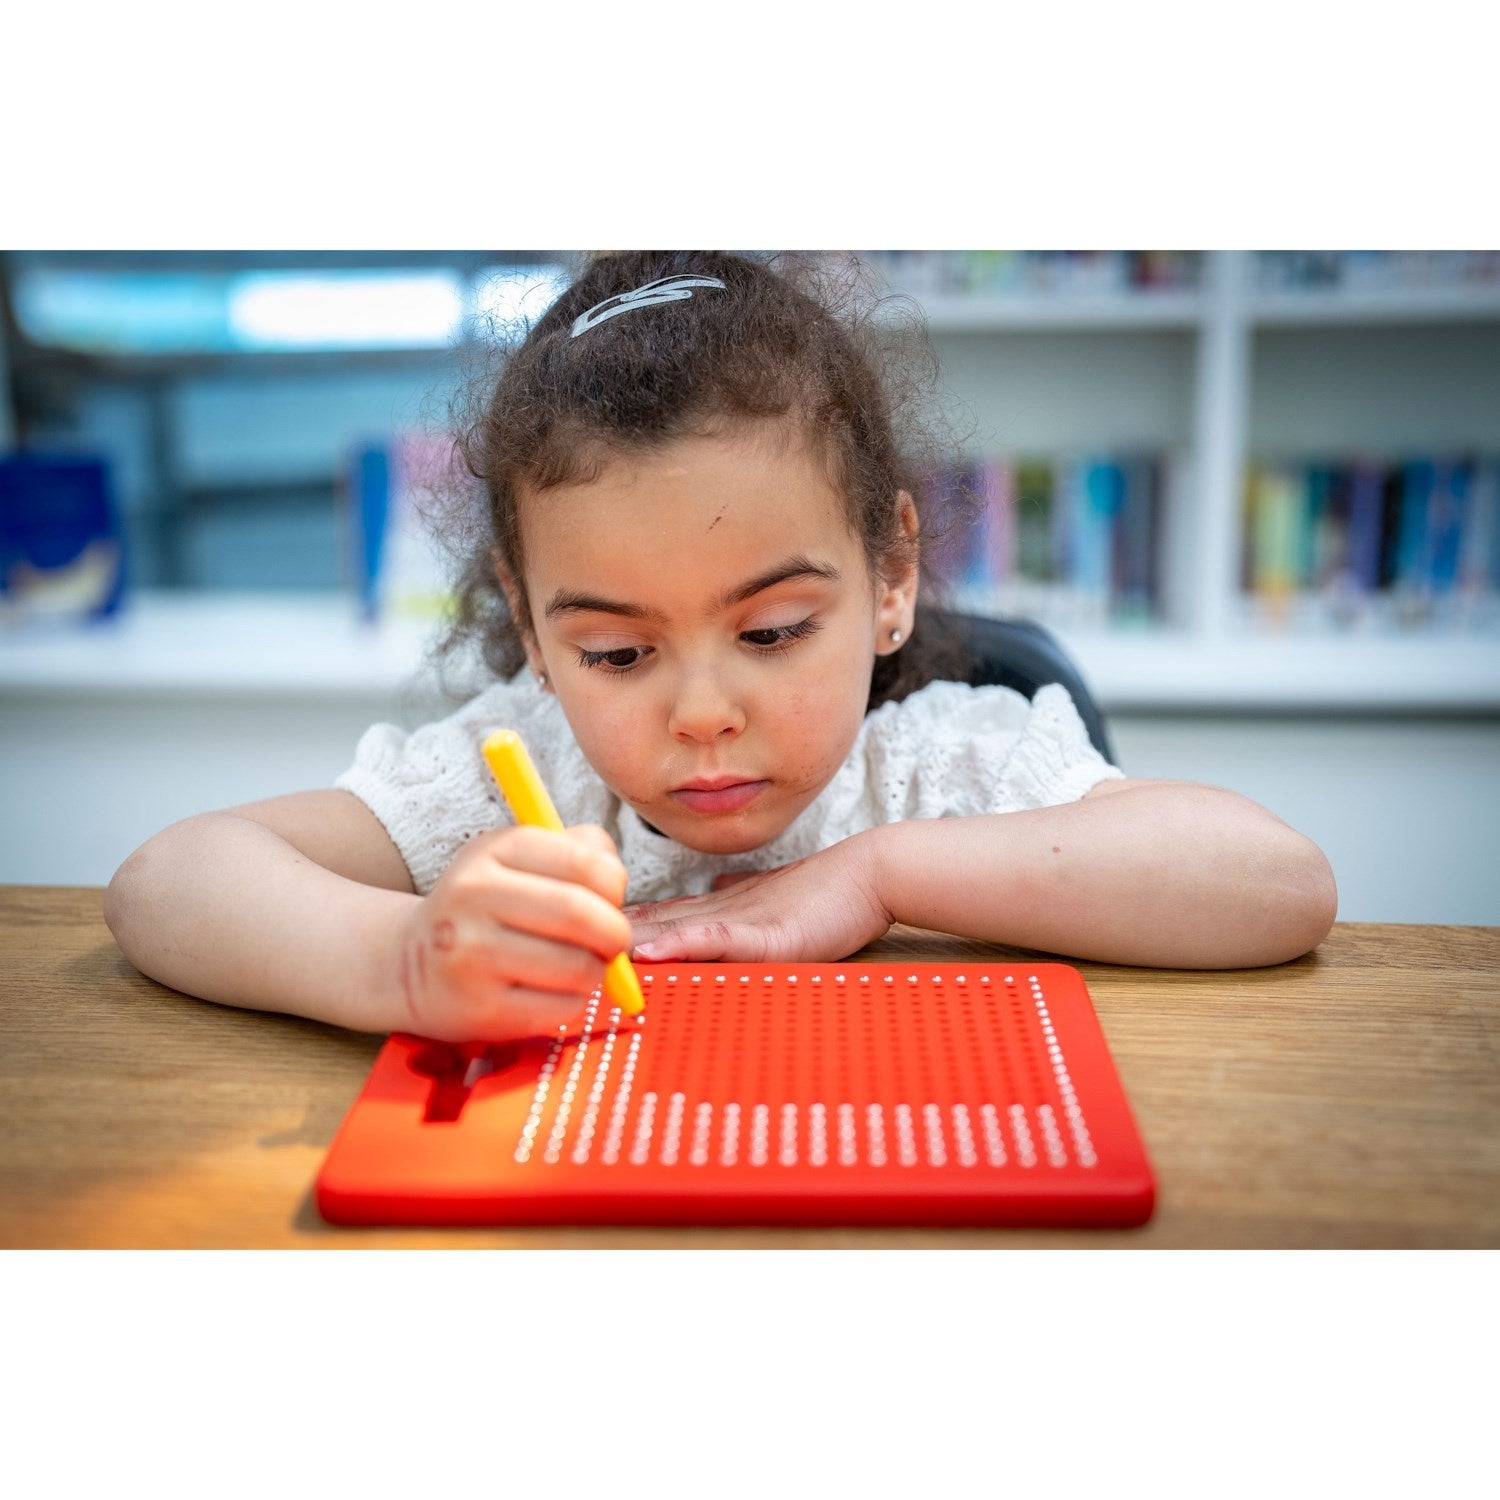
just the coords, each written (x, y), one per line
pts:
(668, 289)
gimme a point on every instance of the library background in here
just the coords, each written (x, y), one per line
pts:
(1254, 494)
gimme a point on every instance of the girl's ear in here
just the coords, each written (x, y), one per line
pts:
(512, 591)
(508, 585)
(897, 608)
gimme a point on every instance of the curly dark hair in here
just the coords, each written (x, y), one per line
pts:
(788, 336)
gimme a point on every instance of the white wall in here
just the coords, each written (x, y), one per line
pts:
(1407, 810)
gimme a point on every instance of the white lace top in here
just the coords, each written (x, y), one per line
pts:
(946, 751)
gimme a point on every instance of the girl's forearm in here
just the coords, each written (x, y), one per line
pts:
(1164, 875)
(223, 908)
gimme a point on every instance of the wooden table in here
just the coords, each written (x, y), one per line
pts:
(1350, 1099)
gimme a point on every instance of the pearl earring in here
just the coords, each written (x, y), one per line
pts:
(896, 637)
(541, 678)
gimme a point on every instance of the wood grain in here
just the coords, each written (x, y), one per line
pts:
(1350, 1099)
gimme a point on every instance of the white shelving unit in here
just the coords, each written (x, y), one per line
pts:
(1181, 371)
(196, 701)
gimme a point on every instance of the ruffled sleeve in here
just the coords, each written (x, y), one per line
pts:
(432, 792)
(956, 751)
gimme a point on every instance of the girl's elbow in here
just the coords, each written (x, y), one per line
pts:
(1314, 906)
(129, 895)
(120, 897)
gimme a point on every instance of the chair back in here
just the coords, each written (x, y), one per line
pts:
(1023, 655)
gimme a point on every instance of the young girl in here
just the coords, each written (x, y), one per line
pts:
(697, 582)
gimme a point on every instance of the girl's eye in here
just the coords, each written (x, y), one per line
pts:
(780, 637)
(767, 642)
(622, 659)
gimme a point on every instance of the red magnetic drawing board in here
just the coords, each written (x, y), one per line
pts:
(873, 1092)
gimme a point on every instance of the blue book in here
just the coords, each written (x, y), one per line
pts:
(1447, 520)
(1413, 549)
(1135, 538)
(1102, 485)
(1366, 500)
(1392, 497)
(371, 513)
(62, 548)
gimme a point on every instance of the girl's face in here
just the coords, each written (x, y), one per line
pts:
(709, 625)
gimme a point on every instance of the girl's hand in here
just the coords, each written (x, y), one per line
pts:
(515, 935)
(821, 907)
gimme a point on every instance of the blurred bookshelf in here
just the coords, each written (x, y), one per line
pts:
(1228, 480)
(1233, 480)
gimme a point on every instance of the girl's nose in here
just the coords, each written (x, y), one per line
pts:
(704, 708)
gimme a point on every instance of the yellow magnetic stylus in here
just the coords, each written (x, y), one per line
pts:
(512, 768)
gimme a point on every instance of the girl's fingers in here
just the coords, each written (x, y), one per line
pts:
(523, 958)
(598, 842)
(548, 907)
(705, 942)
(516, 1013)
(576, 855)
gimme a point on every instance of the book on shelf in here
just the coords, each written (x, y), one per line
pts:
(1071, 540)
(1377, 272)
(399, 568)
(1406, 544)
(1036, 273)
(62, 540)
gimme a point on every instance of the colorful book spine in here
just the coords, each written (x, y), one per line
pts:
(370, 485)
(1409, 544)
(1035, 494)
(1366, 502)
(1072, 539)
(1413, 538)
(1134, 572)
(1096, 509)
(400, 568)
(997, 490)
(1479, 552)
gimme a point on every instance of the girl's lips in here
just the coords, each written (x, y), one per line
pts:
(726, 799)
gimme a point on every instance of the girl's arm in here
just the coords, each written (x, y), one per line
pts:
(1164, 874)
(1161, 874)
(287, 905)
(303, 904)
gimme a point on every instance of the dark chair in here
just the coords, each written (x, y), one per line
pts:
(1023, 655)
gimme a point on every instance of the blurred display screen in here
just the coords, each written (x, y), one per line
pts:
(144, 312)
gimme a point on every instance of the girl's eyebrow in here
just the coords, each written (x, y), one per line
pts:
(565, 601)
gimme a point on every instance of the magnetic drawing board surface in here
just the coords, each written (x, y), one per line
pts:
(876, 1092)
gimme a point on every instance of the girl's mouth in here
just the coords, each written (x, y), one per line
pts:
(724, 799)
